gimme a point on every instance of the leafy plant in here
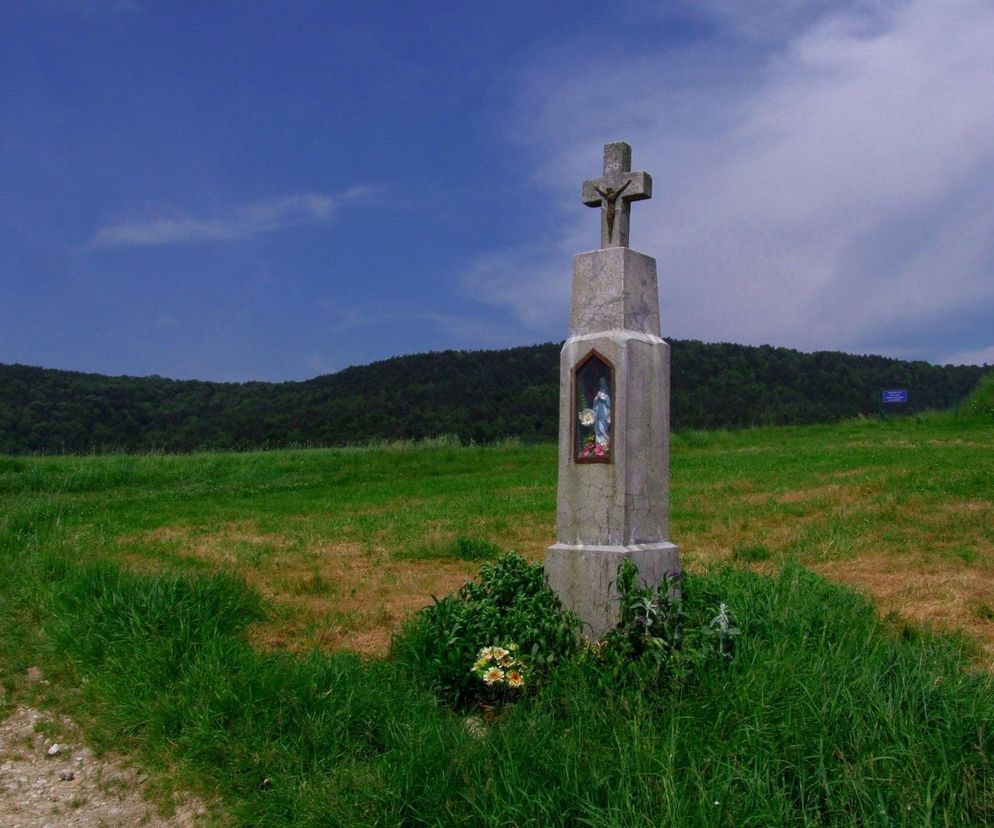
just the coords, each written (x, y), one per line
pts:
(509, 603)
(655, 639)
(722, 628)
(981, 401)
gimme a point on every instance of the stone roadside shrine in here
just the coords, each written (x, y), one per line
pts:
(614, 414)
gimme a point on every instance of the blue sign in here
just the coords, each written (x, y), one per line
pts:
(896, 395)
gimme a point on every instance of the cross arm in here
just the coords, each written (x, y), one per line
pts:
(639, 188)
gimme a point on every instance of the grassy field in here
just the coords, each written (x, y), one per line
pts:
(125, 576)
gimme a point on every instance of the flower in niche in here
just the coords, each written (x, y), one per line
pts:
(587, 417)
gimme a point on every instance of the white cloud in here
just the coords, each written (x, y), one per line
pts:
(534, 294)
(250, 220)
(839, 186)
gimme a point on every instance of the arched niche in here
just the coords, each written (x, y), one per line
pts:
(593, 403)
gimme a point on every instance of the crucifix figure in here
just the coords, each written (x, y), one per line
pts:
(614, 191)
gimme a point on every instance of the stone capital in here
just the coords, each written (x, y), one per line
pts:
(614, 288)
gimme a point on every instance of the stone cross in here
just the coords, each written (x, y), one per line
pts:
(618, 183)
(614, 415)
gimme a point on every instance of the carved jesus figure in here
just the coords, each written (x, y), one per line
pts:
(610, 199)
(613, 192)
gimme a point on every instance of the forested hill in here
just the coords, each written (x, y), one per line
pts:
(477, 395)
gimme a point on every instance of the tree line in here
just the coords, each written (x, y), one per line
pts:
(480, 396)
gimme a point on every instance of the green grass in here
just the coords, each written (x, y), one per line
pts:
(827, 716)
(342, 493)
(831, 492)
(752, 552)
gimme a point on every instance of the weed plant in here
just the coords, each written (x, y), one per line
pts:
(663, 637)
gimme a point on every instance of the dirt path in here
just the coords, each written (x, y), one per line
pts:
(44, 782)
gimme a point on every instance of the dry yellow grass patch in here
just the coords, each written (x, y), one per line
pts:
(842, 475)
(530, 538)
(221, 544)
(350, 593)
(335, 595)
(980, 508)
(942, 525)
(753, 518)
(946, 595)
(948, 584)
(832, 492)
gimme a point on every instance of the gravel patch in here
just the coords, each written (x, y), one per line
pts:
(58, 781)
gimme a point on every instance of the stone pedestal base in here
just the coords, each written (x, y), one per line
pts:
(583, 578)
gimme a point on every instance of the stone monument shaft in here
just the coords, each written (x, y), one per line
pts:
(613, 495)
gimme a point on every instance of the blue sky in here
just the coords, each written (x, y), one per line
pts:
(275, 190)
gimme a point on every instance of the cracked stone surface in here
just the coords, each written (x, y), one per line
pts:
(583, 577)
(614, 289)
(624, 502)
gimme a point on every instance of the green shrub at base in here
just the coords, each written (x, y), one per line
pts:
(509, 605)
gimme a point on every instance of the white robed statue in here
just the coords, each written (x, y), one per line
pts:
(602, 415)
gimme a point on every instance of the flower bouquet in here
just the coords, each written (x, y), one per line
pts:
(503, 677)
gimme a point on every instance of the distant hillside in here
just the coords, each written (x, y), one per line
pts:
(477, 395)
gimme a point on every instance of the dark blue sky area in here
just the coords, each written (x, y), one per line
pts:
(239, 191)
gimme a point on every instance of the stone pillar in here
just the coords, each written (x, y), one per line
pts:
(613, 496)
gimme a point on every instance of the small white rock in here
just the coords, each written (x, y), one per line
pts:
(54, 749)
